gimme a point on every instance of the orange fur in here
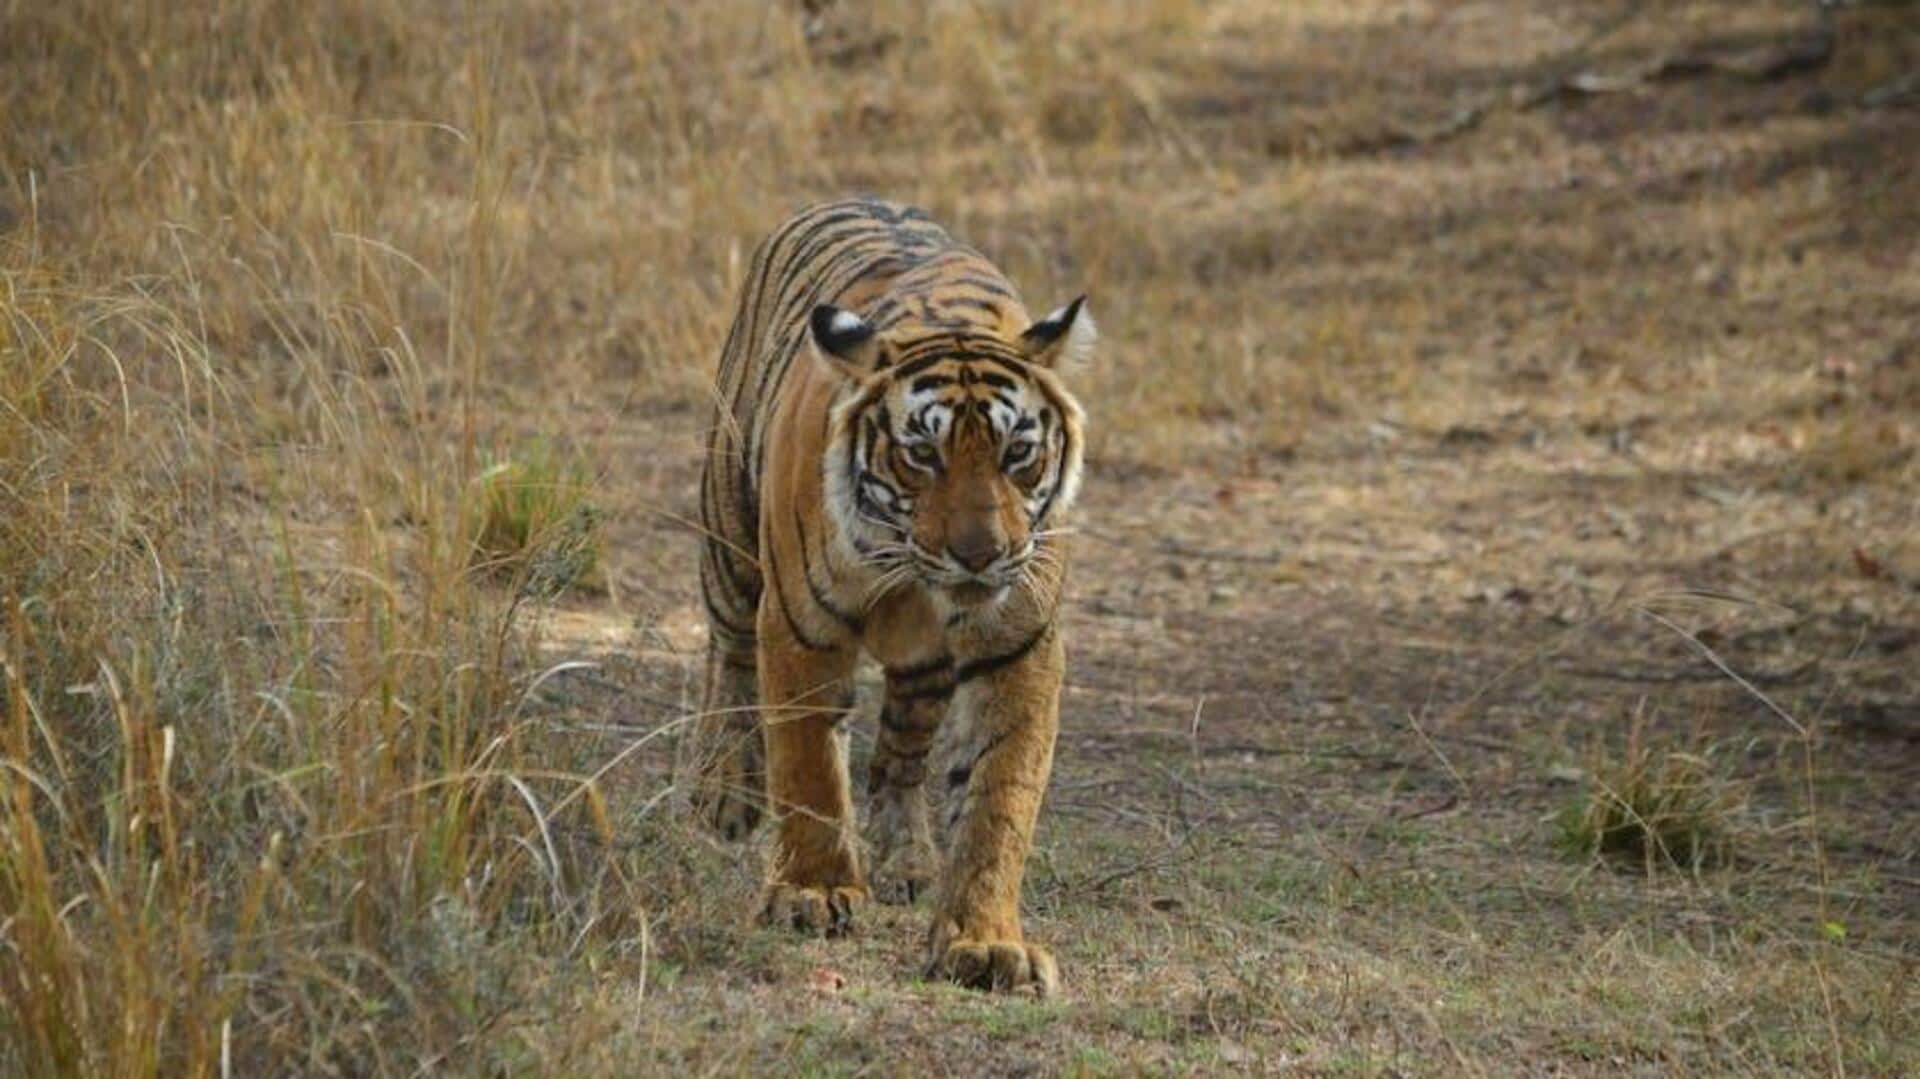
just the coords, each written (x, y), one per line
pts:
(889, 473)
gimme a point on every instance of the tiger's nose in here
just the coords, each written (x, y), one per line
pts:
(975, 550)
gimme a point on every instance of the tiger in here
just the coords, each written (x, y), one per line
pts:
(890, 469)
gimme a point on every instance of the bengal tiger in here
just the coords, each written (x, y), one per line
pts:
(890, 469)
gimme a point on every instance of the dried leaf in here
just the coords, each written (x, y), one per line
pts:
(1869, 566)
(597, 809)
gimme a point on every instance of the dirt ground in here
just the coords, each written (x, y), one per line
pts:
(1645, 467)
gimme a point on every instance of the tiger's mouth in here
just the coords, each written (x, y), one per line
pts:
(975, 593)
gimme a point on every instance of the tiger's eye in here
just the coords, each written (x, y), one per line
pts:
(923, 454)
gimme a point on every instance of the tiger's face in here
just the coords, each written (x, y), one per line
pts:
(953, 456)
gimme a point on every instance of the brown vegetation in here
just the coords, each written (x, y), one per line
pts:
(1482, 382)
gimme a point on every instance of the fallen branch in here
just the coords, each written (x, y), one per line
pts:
(1693, 674)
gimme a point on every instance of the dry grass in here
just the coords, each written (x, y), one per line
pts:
(1652, 806)
(291, 779)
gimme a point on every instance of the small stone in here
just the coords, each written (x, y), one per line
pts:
(1232, 1052)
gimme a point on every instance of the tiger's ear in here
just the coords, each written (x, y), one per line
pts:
(844, 341)
(1064, 338)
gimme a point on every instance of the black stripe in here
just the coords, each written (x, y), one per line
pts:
(1062, 455)
(908, 368)
(891, 213)
(786, 612)
(900, 724)
(983, 283)
(921, 669)
(970, 337)
(992, 744)
(1013, 362)
(930, 679)
(973, 303)
(728, 597)
(819, 594)
(723, 620)
(961, 775)
(938, 691)
(978, 667)
(742, 578)
(851, 467)
(1059, 455)
(747, 513)
(908, 365)
(958, 344)
(868, 440)
(869, 505)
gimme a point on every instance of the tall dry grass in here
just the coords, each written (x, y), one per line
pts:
(273, 787)
(271, 273)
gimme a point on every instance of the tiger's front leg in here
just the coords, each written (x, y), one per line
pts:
(905, 858)
(815, 882)
(996, 784)
(724, 761)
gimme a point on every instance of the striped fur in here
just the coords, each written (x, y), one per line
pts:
(890, 468)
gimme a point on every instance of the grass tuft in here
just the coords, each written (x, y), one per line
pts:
(535, 521)
(1651, 807)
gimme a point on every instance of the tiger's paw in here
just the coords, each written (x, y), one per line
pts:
(731, 814)
(905, 874)
(906, 861)
(812, 910)
(727, 789)
(1002, 966)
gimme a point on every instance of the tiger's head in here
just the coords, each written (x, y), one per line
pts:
(952, 455)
